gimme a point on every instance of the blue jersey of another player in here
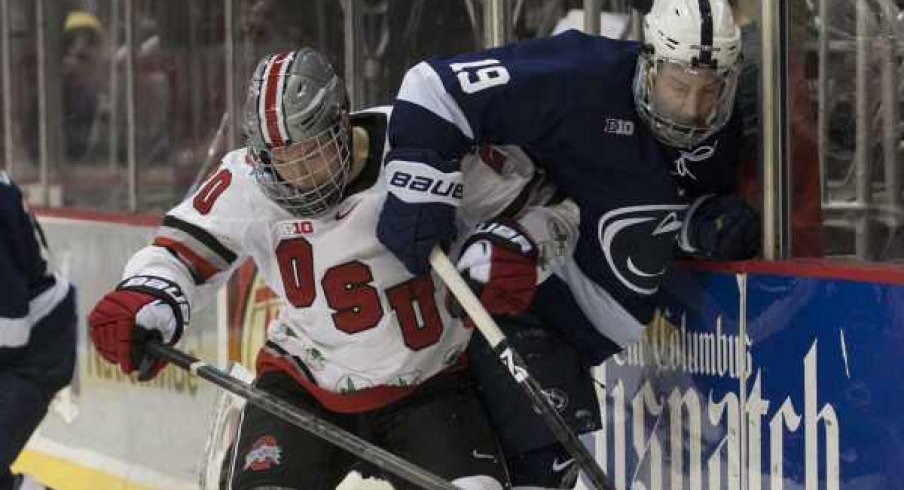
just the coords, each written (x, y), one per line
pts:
(568, 102)
(29, 292)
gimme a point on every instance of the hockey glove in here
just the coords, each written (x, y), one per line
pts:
(423, 195)
(723, 228)
(499, 260)
(140, 309)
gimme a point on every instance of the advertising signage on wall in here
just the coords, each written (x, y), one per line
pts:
(760, 382)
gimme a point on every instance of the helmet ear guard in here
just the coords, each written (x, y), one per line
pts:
(296, 133)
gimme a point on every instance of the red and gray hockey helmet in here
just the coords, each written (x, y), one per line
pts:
(297, 132)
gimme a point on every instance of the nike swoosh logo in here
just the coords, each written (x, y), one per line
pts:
(557, 467)
(342, 214)
(480, 455)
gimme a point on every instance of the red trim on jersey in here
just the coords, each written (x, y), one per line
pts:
(85, 215)
(354, 402)
(492, 157)
(814, 268)
(271, 97)
(202, 267)
(358, 401)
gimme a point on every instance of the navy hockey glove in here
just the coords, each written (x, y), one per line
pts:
(141, 308)
(499, 260)
(722, 227)
(423, 196)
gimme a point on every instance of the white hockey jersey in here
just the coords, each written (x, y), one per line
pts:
(355, 328)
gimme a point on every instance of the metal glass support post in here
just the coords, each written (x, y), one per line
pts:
(773, 128)
(130, 106)
(496, 23)
(635, 33)
(351, 13)
(592, 16)
(823, 100)
(232, 115)
(48, 18)
(890, 115)
(861, 156)
(113, 143)
(43, 130)
(6, 46)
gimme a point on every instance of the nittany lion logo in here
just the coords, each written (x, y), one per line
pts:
(638, 241)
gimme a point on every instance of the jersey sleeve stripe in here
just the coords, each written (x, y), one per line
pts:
(202, 236)
(200, 268)
(15, 332)
(422, 86)
(196, 247)
(413, 126)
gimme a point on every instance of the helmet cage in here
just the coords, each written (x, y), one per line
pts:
(309, 177)
(663, 124)
(297, 132)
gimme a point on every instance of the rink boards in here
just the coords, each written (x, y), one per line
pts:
(769, 376)
(764, 376)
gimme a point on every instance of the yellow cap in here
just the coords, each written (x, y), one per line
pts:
(79, 19)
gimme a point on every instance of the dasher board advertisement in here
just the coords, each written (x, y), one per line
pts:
(760, 381)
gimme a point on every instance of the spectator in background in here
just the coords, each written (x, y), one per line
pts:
(82, 78)
(154, 80)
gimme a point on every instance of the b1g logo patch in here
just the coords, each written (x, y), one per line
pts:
(295, 228)
(265, 453)
(620, 127)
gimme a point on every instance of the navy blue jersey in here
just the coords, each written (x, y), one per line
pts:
(30, 292)
(568, 102)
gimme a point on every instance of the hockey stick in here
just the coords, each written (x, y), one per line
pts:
(295, 416)
(517, 368)
(212, 150)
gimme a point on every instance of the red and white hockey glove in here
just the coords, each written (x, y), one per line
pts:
(141, 308)
(499, 260)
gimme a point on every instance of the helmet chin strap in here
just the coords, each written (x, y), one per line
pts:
(360, 152)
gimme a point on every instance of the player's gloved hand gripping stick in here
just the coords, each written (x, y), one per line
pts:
(155, 352)
(516, 366)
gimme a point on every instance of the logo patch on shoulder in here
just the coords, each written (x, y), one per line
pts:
(620, 127)
(288, 229)
(265, 453)
(346, 210)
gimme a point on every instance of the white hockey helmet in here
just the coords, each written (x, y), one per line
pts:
(296, 130)
(687, 72)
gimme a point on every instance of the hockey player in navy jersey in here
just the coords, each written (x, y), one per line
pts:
(37, 332)
(640, 139)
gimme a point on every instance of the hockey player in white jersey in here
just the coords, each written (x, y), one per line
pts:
(359, 341)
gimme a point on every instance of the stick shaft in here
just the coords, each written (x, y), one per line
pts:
(301, 418)
(517, 368)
